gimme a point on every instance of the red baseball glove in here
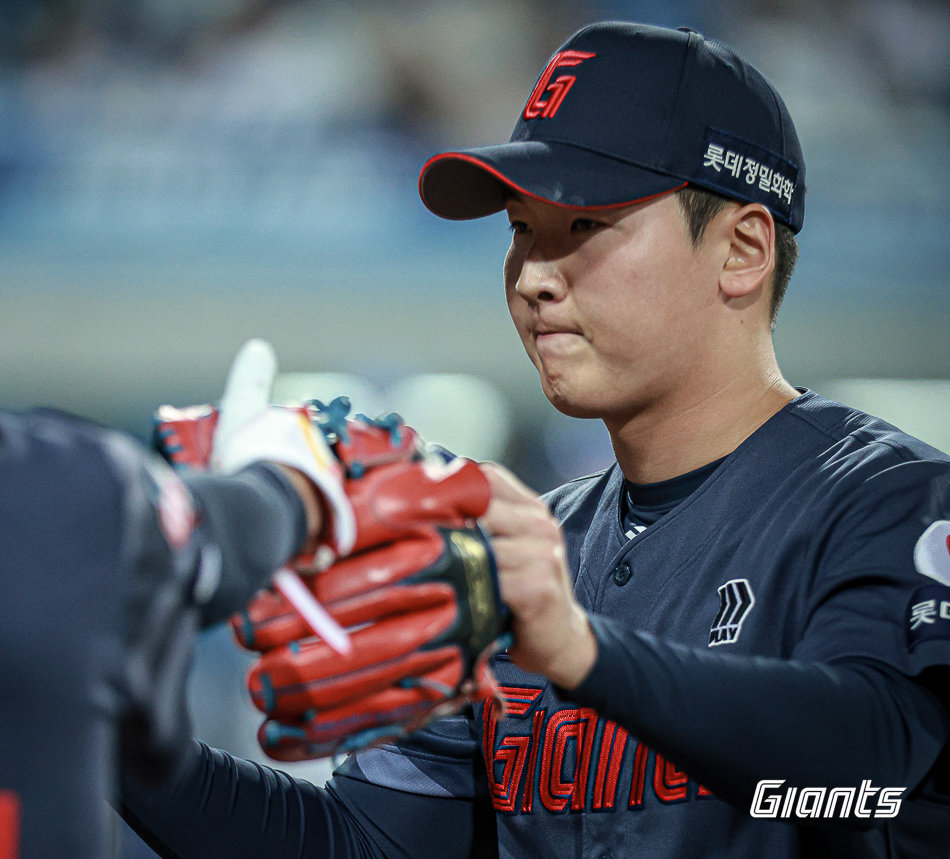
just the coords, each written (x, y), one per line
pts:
(418, 596)
(409, 576)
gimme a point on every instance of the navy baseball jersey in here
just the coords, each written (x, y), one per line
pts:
(758, 620)
(798, 546)
(110, 565)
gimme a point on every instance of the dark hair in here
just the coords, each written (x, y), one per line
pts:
(701, 206)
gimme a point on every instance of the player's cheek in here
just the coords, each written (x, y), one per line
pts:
(514, 263)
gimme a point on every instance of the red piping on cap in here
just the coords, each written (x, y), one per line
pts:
(461, 156)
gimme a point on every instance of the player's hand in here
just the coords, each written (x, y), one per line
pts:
(552, 635)
(246, 428)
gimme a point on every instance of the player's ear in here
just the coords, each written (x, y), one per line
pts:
(751, 258)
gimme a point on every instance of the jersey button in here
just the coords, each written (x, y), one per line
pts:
(622, 574)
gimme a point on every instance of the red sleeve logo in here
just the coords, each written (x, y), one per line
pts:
(558, 89)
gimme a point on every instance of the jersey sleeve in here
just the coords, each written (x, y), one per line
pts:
(250, 523)
(60, 632)
(442, 759)
(442, 767)
(731, 720)
(868, 598)
(191, 554)
(219, 805)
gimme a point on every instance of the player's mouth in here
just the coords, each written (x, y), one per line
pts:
(555, 339)
(542, 328)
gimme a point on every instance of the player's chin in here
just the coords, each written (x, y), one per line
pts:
(571, 398)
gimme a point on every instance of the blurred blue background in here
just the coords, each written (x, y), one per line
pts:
(176, 177)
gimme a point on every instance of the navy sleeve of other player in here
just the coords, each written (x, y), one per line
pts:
(219, 805)
(256, 522)
(60, 633)
(105, 585)
(191, 557)
(718, 716)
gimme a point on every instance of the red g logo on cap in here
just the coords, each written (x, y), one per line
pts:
(547, 109)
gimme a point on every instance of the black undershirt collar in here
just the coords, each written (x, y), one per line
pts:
(642, 504)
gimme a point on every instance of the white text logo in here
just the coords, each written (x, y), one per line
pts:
(771, 800)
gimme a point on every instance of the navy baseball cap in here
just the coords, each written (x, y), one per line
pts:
(624, 112)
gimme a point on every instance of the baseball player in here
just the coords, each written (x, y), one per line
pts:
(110, 565)
(733, 641)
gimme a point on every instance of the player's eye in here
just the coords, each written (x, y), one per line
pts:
(584, 225)
(518, 227)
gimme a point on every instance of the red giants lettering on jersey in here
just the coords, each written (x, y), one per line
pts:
(581, 757)
(9, 824)
(558, 89)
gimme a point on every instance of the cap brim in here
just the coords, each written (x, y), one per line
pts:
(476, 182)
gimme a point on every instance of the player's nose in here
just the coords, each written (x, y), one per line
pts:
(540, 280)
